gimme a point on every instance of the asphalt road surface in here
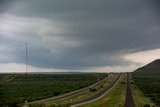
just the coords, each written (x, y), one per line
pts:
(129, 102)
(96, 96)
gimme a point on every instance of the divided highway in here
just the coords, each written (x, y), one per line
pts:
(77, 92)
(96, 96)
(129, 102)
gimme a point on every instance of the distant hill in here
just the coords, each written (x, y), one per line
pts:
(153, 67)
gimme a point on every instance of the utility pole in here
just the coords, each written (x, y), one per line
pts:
(26, 57)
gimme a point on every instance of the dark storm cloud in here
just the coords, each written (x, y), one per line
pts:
(106, 22)
(4, 5)
(97, 32)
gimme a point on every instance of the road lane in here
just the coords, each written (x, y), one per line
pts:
(129, 102)
(96, 96)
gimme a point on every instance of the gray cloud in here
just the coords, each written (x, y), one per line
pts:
(4, 5)
(77, 34)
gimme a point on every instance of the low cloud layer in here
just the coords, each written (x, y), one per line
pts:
(77, 35)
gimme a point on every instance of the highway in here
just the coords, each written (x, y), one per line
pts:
(129, 102)
(96, 96)
(77, 92)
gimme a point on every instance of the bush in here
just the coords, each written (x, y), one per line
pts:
(123, 82)
(132, 82)
(56, 93)
(92, 89)
(146, 105)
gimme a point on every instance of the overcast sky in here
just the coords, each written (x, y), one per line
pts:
(78, 35)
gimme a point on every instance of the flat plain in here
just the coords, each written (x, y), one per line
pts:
(20, 88)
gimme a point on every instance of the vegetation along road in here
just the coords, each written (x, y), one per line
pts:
(77, 92)
(17, 89)
(97, 96)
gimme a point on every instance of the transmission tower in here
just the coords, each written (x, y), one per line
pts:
(26, 57)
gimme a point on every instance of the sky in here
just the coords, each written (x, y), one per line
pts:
(78, 35)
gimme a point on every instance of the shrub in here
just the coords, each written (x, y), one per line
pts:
(92, 89)
(146, 105)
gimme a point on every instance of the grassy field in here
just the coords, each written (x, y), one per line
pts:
(115, 98)
(148, 83)
(139, 98)
(85, 94)
(18, 88)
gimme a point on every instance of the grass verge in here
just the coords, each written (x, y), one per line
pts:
(115, 98)
(139, 98)
(76, 97)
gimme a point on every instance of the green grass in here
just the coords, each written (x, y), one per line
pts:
(148, 83)
(115, 98)
(85, 94)
(39, 86)
(139, 98)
